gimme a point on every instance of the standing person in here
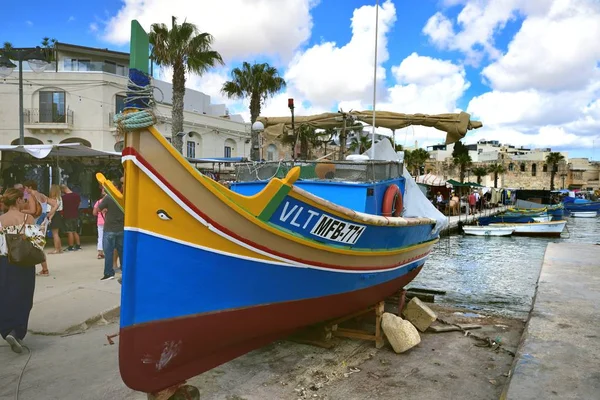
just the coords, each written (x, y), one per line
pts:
(57, 221)
(37, 206)
(71, 201)
(17, 283)
(100, 223)
(472, 202)
(113, 234)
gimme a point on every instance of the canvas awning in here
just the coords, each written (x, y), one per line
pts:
(430, 180)
(457, 183)
(455, 125)
(61, 150)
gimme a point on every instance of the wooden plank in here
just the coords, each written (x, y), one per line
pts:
(354, 335)
(425, 297)
(139, 48)
(424, 290)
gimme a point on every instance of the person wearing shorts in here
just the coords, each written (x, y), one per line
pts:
(71, 201)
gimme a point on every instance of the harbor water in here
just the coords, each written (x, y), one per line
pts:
(495, 275)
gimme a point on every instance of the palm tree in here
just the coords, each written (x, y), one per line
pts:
(415, 159)
(553, 159)
(258, 82)
(479, 172)
(361, 143)
(496, 169)
(184, 49)
(462, 161)
(306, 137)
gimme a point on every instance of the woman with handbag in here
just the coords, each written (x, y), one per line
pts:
(21, 248)
(43, 209)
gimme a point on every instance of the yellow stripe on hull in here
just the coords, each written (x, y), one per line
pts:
(144, 204)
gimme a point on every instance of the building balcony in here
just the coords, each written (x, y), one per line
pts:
(95, 66)
(50, 121)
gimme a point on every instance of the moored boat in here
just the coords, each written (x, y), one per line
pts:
(584, 214)
(210, 273)
(488, 230)
(551, 229)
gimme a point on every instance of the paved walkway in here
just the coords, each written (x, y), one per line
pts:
(73, 293)
(560, 349)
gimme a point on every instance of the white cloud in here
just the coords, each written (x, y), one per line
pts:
(426, 85)
(242, 28)
(29, 23)
(71, 19)
(326, 73)
(555, 51)
(544, 89)
(93, 27)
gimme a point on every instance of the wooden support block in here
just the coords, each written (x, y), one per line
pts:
(401, 301)
(379, 310)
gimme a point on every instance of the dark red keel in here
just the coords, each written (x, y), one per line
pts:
(157, 355)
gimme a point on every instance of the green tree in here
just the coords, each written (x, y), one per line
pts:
(479, 172)
(415, 159)
(461, 159)
(361, 143)
(496, 169)
(257, 82)
(184, 49)
(553, 159)
(307, 137)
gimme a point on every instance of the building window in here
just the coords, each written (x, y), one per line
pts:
(227, 152)
(533, 169)
(78, 65)
(511, 167)
(271, 152)
(52, 107)
(191, 149)
(119, 104)
(522, 167)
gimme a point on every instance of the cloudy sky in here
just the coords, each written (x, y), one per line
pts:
(528, 69)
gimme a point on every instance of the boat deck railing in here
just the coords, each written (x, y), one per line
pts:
(340, 171)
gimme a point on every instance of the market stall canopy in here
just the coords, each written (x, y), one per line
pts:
(455, 125)
(62, 150)
(430, 180)
(457, 183)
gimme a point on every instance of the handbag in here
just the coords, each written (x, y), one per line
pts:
(21, 251)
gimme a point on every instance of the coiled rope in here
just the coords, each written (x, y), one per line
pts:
(137, 113)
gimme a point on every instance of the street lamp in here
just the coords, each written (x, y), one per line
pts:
(256, 127)
(37, 60)
(291, 107)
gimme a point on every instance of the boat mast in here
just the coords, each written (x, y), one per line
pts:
(375, 79)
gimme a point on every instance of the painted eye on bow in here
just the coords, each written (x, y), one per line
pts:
(162, 214)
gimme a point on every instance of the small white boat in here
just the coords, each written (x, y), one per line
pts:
(584, 214)
(552, 228)
(487, 230)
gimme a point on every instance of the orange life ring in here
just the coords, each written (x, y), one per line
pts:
(392, 202)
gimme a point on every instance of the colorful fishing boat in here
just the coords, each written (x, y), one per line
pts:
(556, 211)
(210, 273)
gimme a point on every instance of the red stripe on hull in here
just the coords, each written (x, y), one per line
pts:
(129, 151)
(160, 354)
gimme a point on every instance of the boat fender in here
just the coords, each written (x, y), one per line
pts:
(392, 202)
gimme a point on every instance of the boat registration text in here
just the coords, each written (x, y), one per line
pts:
(297, 218)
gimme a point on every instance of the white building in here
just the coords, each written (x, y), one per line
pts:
(492, 151)
(75, 99)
